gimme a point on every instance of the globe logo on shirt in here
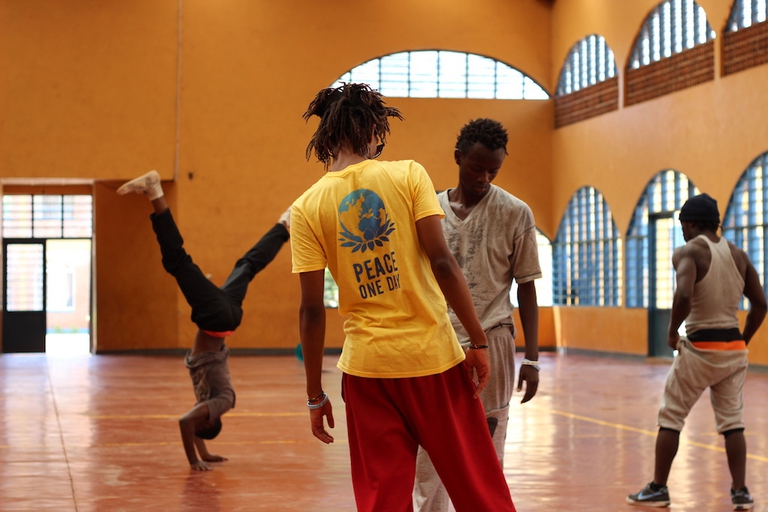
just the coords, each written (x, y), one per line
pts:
(364, 221)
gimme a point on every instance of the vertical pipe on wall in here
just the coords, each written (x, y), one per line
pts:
(177, 142)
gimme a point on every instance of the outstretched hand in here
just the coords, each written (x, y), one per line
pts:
(200, 466)
(316, 418)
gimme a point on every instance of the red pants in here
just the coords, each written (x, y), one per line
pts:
(387, 419)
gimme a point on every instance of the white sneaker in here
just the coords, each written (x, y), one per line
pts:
(148, 184)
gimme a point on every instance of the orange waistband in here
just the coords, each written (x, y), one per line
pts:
(218, 334)
(720, 345)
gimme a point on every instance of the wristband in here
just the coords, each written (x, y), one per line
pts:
(528, 362)
(477, 346)
(323, 397)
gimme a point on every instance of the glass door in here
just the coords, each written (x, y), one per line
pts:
(24, 322)
(665, 235)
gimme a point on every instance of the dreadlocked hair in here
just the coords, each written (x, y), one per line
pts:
(348, 115)
(487, 132)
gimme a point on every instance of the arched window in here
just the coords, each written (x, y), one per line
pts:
(586, 254)
(589, 62)
(745, 37)
(588, 85)
(544, 284)
(745, 13)
(672, 27)
(674, 50)
(653, 234)
(444, 74)
(746, 218)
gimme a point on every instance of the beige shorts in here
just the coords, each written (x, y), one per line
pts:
(693, 371)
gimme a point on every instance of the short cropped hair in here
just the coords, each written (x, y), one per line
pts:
(488, 132)
(707, 225)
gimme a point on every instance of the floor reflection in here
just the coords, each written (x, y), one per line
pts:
(101, 433)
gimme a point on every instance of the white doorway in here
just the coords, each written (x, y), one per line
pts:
(47, 271)
(68, 297)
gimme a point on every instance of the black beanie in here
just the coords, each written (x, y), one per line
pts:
(700, 208)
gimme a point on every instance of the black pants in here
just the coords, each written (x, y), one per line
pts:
(214, 308)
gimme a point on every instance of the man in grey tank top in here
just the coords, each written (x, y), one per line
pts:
(712, 274)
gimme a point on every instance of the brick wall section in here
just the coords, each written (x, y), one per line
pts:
(587, 102)
(680, 71)
(745, 48)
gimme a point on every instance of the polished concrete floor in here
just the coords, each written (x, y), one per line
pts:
(100, 433)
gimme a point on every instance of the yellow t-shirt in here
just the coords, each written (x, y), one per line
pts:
(360, 223)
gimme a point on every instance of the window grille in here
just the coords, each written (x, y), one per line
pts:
(24, 269)
(666, 193)
(745, 13)
(672, 27)
(47, 216)
(589, 62)
(444, 74)
(586, 254)
(746, 218)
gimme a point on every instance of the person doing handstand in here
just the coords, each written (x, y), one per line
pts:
(217, 312)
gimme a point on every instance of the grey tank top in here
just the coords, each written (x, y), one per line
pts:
(716, 297)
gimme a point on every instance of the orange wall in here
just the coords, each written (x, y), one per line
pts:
(527, 169)
(255, 105)
(619, 330)
(710, 132)
(211, 95)
(87, 88)
(547, 334)
(136, 302)
(689, 131)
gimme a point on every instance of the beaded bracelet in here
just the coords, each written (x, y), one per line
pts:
(323, 399)
(528, 362)
(317, 398)
(477, 346)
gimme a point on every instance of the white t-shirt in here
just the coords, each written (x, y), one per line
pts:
(495, 244)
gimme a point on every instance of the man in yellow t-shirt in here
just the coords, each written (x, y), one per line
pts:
(386, 286)
(406, 382)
